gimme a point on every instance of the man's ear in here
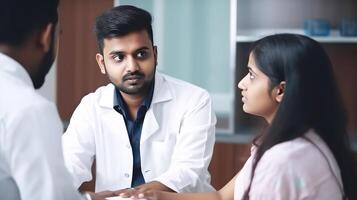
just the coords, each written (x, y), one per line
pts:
(100, 60)
(45, 37)
(279, 91)
(155, 54)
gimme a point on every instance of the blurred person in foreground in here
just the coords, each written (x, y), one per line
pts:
(31, 158)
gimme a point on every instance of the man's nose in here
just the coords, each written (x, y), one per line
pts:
(132, 65)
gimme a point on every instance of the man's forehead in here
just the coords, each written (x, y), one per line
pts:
(129, 42)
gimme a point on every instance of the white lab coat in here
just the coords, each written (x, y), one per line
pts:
(31, 159)
(176, 144)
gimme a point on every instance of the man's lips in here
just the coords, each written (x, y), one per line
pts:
(134, 77)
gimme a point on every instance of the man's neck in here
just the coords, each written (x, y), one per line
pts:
(133, 103)
(20, 54)
(9, 51)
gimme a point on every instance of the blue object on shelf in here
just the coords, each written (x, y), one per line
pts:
(317, 27)
(348, 27)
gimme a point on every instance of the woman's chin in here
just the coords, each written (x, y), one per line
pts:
(245, 109)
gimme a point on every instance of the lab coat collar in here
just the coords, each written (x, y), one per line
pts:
(15, 69)
(162, 92)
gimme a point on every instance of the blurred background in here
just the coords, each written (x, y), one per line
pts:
(206, 42)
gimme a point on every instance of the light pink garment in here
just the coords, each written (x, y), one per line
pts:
(292, 170)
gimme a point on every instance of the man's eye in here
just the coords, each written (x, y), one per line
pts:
(141, 54)
(118, 58)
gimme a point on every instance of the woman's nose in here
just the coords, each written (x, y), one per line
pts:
(241, 84)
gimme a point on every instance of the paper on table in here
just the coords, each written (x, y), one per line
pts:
(116, 198)
(120, 198)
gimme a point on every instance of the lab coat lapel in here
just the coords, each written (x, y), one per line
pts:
(162, 94)
(106, 101)
(150, 126)
(107, 96)
(117, 125)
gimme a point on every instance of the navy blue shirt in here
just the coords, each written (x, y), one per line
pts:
(134, 128)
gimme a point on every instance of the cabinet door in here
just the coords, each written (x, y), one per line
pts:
(226, 162)
(77, 70)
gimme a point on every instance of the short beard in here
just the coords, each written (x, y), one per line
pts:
(136, 91)
(39, 78)
(143, 90)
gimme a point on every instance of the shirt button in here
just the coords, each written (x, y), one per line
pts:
(128, 146)
(127, 175)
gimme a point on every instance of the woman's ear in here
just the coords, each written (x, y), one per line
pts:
(100, 60)
(279, 91)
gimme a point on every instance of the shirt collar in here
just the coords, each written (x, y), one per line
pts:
(14, 68)
(120, 106)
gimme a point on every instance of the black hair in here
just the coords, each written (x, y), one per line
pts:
(21, 18)
(311, 100)
(120, 21)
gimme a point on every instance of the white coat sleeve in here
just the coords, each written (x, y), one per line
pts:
(79, 144)
(34, 153)
(188, 171)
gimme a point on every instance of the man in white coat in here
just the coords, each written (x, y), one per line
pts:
(31, 158)
(145, 130)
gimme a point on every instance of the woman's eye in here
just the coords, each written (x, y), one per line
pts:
(251, 76)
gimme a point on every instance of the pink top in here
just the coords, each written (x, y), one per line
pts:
(292, 170)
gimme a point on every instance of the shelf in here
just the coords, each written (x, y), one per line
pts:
(255, 34)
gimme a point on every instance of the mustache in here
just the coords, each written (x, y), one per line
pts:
(133, 75)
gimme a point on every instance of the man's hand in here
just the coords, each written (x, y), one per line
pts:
(134, 192)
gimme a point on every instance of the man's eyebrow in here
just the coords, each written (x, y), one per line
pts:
(116, 52)
(141, 48)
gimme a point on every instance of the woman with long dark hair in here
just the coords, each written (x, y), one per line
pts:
(304, 153)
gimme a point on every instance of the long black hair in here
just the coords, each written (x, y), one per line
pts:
(311, 100)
